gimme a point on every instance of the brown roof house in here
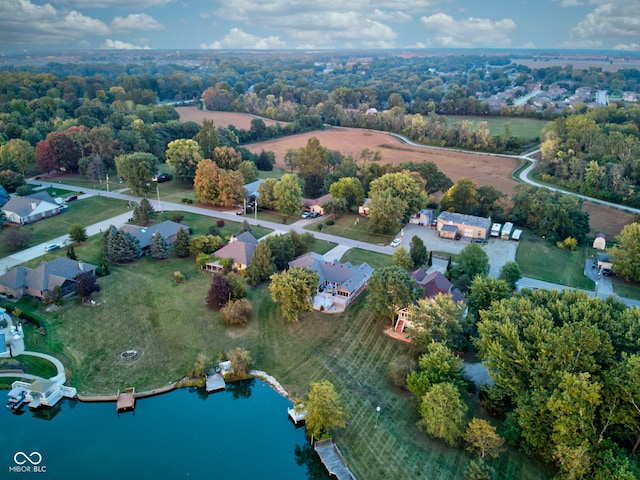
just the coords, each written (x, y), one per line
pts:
(240, 249)
(144, 235)
(339, 282)
(36, 282)
(29, 209)
(314, 205)
(431, 284)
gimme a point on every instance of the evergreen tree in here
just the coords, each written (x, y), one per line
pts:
(120, 247)
(262, 265)
(430, 261)
(71, 252)
(418, 252)
(181, 245)
(143, 212)
(159, 246)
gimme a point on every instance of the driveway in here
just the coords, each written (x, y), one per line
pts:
(499, 251)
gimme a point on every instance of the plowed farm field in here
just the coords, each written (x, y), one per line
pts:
(482, 169)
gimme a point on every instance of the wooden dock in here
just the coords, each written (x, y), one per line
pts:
(333, 460)
(126, 400)
(215, 383)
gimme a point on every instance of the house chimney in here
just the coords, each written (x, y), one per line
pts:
(81, 266)
(33, 205)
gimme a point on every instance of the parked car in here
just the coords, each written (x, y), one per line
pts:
(71, 198)
(314, 214)
(478, 240)
(162, 177)
(396, 242)
(52, 247)
(306, 215)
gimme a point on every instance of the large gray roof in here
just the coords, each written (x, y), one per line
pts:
(45, 276)
(345, 274)
(461, 219)
(144, 235)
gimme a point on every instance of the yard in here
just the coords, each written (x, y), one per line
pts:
(83, 212)
(524, 128)
(353, 226)
(169, 325)
(542, 260)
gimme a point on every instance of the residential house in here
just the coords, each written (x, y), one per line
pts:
(252, 188)
(36, 282)
(240, 249)
(315, 205)
(340, 283)
(451, 225)
(423, 217)
(600, 242)
(430, 284)
(29, 209)
(144, 235)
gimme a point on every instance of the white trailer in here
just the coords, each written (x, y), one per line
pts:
(506, 231)
(495, 229)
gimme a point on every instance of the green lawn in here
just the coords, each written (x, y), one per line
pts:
(525, 128)
(200, 224)
(271, 216)
(276, 173)
(624, 288)
(542, 260)
(321, 246)
(169, 325)
(353, 226)
(358, 256)
(84, 212)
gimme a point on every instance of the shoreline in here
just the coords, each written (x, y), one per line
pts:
(259, 374)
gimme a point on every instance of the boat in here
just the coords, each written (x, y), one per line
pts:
(17, 398)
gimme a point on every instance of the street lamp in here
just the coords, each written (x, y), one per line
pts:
(377, 415)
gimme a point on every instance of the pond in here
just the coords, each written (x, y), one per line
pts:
(241, 433)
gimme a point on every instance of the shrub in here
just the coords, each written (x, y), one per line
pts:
(177, 218)
(330, 222)
(236, 312)
(178, 277)
(220, 223)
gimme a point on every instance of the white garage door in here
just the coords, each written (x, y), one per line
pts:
(468, 232)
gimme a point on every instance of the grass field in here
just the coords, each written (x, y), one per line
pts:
(345, 226)
(358, 256)
(169, 325)
(525, 128)
(83, 212)
(542, 260)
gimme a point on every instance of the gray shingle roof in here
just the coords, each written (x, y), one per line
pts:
(45, 276)
(345, 274)
(144, 235)
(459, 218)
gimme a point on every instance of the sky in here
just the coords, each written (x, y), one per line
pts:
(33, 25)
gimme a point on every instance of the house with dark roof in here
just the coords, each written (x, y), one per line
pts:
(144, 235)
(430, 285)
(4, 196)
(340, 283)
(240, 249)
(36, 282)
(29, 209)
(458, 224)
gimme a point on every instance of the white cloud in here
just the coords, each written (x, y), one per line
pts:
(136, 21)
(467, 33)
(135, 4)
(390, 16)
(237, 39)
(634, 47)
(571, 3)
(612, 19)
(120, 45)
(584, 44)
(25, 23)
(529, 45)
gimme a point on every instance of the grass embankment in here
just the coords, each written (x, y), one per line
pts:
(83, 212)
(542, 260)
(353, 226)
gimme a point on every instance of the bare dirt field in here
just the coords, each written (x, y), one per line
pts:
(220, 119)
(606, 220)
(482, 169)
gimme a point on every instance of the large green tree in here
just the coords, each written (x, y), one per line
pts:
(418, 251)
(439, 319)
(325, 411)
(208, 138)
(443, 412)
(288, 195)
(262, 265)
(294, 289)
(473, 260)
(402, 186)
(625, 255)
(137, 168)
(390, 289)
(311, 163)
(183, 156)
(350, 189)
(17, 154)
(462, 197)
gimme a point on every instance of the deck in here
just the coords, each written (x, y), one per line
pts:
(126, 400)
(299, 415)
(333, 460)
(215, 383)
